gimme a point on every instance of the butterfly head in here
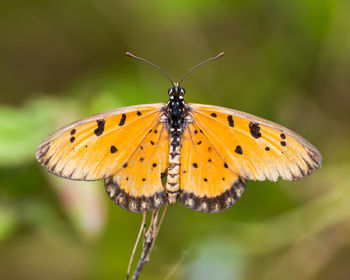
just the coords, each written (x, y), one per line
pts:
(176, 91)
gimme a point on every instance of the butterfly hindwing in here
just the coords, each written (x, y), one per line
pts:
(254, 148)
(97, 147)
(207, 184)
(137, 187)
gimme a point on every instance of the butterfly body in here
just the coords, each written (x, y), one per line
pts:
(177, 112)
(207, 154)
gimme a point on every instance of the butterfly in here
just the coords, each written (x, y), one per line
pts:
(206, 153)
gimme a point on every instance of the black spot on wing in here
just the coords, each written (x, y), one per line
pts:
(122, 120)
(283, 143)
(267, 149)
(139, 113)
(230, 121)
(239, 150)
(254, 130)
(113, 149)
(72, 139)
(73, 131)
(195, 165)
(213, 115)
(283, 136)
(100, 127)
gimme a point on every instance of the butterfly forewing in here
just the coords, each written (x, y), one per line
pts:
(137, 187)
(98, 146)
(254, 148)
(207, 184)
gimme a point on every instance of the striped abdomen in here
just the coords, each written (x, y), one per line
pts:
(172, 186)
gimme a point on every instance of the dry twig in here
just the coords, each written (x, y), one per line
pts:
(149, 237)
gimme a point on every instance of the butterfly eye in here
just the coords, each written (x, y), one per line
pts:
(182, 90)
(170, 91)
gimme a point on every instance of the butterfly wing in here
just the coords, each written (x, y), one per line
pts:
(97, 147)
(137, 187)
(254, 148)
(207, 184)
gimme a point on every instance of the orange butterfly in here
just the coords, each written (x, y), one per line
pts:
(207, 153)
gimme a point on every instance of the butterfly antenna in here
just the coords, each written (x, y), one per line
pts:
(144, 60)
(200, 64)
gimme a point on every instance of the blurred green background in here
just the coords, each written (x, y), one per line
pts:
(287, 61)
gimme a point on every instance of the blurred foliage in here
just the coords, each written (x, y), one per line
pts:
(288, 61)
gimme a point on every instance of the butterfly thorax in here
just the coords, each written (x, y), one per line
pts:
(176, 110)
(176, 105)
(176, 113)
